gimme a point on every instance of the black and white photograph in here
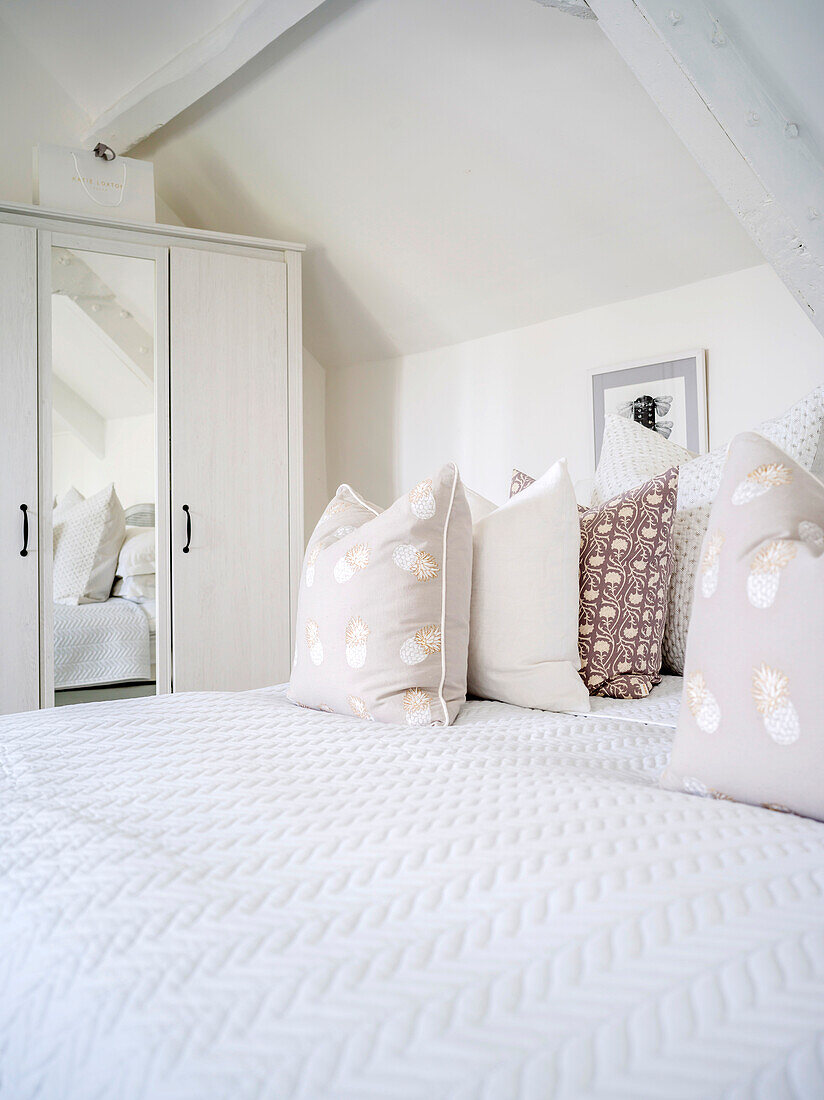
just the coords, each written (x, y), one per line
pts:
(666, 395)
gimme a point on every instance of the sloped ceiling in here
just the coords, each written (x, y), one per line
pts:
(99, 50)
(456, 168)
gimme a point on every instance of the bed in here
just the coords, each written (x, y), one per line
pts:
(103, 643)
(222, 895)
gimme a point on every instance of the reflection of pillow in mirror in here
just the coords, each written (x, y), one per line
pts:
(87, 537)
(137, 554)
(69, 499)
(138, 588)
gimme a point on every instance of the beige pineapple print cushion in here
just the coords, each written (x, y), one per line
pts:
(383, 609)
(752, 719)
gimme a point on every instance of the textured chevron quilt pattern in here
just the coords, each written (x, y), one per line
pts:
(225, 896)
(101, 643)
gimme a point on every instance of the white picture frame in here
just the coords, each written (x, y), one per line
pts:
(681, 376)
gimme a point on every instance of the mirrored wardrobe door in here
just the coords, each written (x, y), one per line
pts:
(104, 469)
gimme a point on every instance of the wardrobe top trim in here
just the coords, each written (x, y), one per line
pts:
(65, 220)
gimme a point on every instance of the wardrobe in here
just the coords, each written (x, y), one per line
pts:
(166, 361)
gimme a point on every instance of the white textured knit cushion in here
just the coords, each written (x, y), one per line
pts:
(87, 538)
(523, 640)
(632, 454)
(798, 432)
(383, 610)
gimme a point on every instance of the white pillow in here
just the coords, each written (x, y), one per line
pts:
(798, 432)
(137, 554)
(523, 624)
(87, 537)
(138, 589)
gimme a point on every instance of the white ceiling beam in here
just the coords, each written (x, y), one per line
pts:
(756, 156)
(195, 71)
(83, 421)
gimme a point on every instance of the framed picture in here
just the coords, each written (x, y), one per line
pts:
(668, 395)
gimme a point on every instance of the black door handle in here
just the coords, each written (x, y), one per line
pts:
(188, 528)
(24, 509)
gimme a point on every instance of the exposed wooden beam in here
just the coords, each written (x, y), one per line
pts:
(755, 156)
(111, 322)
(195, 71)
(87, 424)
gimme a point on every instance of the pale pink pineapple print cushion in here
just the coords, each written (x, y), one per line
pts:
(752, 719)
(383, 608)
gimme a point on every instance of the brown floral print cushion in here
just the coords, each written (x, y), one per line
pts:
(519, 482)
(626, 564)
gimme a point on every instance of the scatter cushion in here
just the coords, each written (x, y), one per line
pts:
(87, 538)
(751, 724)
(383, 610)
(523, 645)
(630, 455)
(137, 555)
(799, 432)
(625, 568)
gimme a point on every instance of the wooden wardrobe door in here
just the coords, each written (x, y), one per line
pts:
(19, 601)
(230, 466)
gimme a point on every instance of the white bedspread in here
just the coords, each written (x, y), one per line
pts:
(100, 643)
(224, 896)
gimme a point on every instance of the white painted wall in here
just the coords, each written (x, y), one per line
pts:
(315, 489)
(129, 461)
(35, 109)
(520, 398)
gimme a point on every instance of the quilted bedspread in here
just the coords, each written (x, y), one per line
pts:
(225, 896)
(100, 643)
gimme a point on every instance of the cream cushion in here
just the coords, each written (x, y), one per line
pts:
(751, 724)
(523, 641)
(383, 609)
(798, 432)
(87, 537)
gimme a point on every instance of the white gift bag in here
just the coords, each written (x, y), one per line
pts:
(77, 180)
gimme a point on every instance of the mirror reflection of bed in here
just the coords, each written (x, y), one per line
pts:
(104, 561)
